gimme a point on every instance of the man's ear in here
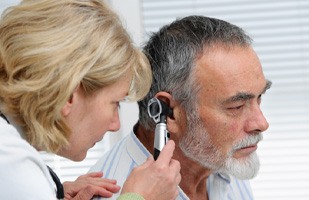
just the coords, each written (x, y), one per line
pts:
(173, 122)
(167, 98)
(67, 108)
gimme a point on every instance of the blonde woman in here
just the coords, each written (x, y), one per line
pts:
(64, 67)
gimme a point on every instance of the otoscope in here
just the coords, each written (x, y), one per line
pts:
(158, 110)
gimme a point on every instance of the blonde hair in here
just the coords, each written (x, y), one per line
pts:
(48, 48)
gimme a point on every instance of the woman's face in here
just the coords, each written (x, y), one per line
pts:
(90, 117)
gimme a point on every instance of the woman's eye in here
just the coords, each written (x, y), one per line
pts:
(116, 104)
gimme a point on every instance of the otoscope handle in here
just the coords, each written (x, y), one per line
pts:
(161, 138)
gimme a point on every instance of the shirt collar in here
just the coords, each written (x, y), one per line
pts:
(136, 149)
(224, 176)
(10, 121)
(139, 154)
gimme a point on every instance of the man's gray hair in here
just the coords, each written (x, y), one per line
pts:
(173, 52)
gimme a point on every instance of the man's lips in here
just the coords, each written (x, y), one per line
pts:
(250, 148)
(246, 151)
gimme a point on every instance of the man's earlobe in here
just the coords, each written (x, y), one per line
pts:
(173, 121)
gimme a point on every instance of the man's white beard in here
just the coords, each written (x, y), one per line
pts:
(197, 146)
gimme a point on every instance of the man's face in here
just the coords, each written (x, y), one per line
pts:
(223, 131)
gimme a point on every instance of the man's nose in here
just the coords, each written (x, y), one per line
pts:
(257, 121)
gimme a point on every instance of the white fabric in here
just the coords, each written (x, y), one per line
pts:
(23, 173)
(130, 152)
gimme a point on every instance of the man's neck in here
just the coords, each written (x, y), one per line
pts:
(193, 175)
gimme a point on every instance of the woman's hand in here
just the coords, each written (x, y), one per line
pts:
(156, 179)
(89, 185)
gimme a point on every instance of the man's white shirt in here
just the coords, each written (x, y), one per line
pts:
(130, 152)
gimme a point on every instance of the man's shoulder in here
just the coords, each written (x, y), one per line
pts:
(228, 185)
(123, 156)
(110, 155)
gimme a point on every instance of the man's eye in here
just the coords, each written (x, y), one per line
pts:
(259, 100)
(236, 107)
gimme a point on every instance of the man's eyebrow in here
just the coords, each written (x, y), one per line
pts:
(242, 96)
(267, 86)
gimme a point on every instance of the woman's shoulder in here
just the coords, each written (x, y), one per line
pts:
(12, 142)
(23, 173)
